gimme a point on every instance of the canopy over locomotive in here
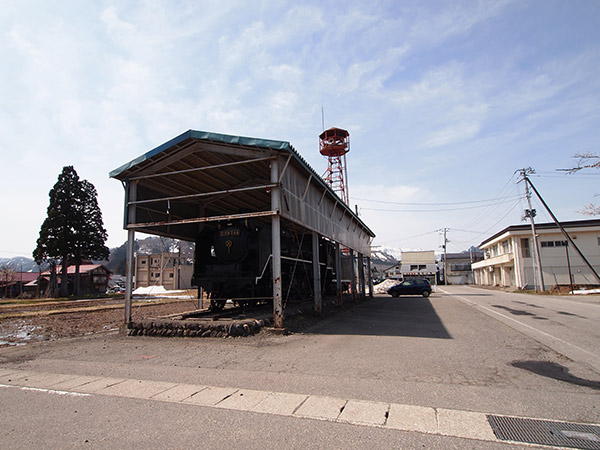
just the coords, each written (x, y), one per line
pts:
(254, 208)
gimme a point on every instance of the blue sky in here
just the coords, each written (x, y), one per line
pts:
(443, 101)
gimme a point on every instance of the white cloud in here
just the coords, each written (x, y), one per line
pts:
(425, 100)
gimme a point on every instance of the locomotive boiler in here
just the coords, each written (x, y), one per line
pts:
(233, 262)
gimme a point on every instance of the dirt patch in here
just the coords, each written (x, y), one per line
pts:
(20, 331)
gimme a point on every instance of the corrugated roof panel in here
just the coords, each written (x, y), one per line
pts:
(203, 136)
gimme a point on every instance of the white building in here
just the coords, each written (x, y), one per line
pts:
(509, 256)
(420, 264)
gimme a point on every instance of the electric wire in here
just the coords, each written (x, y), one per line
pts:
(491, 212)
(437, 210)
(437, 203)
(407, 238)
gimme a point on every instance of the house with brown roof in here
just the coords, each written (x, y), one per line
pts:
(13, 284)
(93, 279)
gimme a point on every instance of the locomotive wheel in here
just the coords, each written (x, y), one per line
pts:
(243, 303)
(217, 305)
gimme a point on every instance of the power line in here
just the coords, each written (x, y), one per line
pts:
(500, 220)
(438, 210)
(410, 237)
(509, 185)
(438, 204)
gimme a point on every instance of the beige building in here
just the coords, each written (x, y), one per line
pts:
(509, 256)
(163, 269)
(459, 266)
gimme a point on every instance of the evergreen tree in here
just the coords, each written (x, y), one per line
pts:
(73, 228)
(90, 232)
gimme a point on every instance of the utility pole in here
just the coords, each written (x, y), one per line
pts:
(564, 232)
(530, 213)
(445, 230)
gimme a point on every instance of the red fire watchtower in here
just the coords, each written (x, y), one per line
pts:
(334, 143)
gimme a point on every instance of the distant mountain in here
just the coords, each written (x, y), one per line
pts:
(147, 246)
(386, 254)
(19, 264)
(117, 259)
(383, 258)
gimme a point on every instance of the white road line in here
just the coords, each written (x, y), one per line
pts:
(543, 333)
(47, 391)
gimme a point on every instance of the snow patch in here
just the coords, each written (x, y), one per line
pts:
(154, 290)
(382, 288)
(586, 291)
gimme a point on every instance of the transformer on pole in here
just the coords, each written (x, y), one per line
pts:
(334, 143)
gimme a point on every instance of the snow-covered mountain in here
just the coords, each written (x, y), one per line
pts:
(386, 254)
(19, 264)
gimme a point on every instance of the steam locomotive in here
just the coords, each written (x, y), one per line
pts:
(234, 262)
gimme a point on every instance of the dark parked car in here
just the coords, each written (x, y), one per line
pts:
(415, 286)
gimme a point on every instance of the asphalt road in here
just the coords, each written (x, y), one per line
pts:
(568, 324)
(461, 354)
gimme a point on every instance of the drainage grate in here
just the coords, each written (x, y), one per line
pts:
(546, 432)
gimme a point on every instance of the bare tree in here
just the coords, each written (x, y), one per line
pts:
(586, 161)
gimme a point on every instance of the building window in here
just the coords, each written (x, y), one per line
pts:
(170, 275)
(143, 261)
(554, 243)
(506, 247)
(525, 251)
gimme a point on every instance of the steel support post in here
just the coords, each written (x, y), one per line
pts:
(316, 273)
(130, 261)
(338, 273)
(370, 277)
(361, 275)
(353, 276)
(130, 195)
(276, 246)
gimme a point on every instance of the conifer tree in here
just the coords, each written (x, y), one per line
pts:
(73, 229)
(91, 235)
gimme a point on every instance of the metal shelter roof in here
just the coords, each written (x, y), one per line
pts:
(199, 176)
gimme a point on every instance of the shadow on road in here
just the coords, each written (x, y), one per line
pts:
(519, 312)
(386, 316)
(555, 371)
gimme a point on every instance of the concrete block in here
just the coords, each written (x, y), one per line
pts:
(178, 393)
(324, 408)
(465, 424)
(137, 388)
(73, 383)
(14, 376)
(412, 418)
(364, 413)
(96, 386)
(210, 396)
(280, 403)
(43, 380)
(243, 400)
